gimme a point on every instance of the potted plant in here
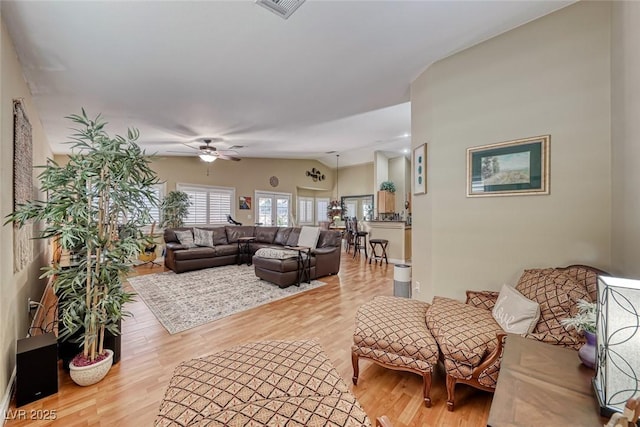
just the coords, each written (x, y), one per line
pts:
(174, 208)
(96, 207)
(585, 321)
(388, 186)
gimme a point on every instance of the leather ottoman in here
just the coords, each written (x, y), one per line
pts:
(282, 272)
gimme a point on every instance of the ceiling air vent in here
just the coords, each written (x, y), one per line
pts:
(282, 8)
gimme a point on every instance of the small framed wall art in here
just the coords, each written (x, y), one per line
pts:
(512, 168)
(245, 202)
(420, 169)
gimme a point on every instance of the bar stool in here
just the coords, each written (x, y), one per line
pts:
(348, 235)
(359, 239)
(374, 245)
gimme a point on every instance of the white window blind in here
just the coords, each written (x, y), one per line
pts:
(154, 211)
(322, 204)
(209, 205)
(305, 210)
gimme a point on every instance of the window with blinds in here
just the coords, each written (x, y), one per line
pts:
(322, 206)
(154, 211)
(305, 210)
(209, 205)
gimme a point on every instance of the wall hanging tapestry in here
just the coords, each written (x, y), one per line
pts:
(22, 183)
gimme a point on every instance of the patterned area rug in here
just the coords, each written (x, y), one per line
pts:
(184, 301)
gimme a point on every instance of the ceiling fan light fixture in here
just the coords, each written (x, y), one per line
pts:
(209, 158)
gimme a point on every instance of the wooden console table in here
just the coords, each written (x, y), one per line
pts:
(543, 385)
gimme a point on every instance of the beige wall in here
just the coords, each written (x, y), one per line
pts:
(625, 138)
(15, 288)
(551, 76)
(398, 174)
(356, 180)
(246, 176)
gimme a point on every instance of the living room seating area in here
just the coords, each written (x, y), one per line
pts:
(204, 247)
(469, 337)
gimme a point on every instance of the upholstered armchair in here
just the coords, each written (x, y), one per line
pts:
(471, 341)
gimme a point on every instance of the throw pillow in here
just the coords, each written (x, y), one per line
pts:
(515, 313)
(558, 296)
(185, 238)
(220, 236)
(309, 237)
(203, 237)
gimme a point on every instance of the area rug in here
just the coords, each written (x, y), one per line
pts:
(186, 300)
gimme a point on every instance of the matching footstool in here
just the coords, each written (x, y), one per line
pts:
(272, 383)
(393, 333)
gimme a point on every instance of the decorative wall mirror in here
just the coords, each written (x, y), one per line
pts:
(359, 206)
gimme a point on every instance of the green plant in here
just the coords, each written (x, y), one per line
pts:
(585, 319)
(175, 208)
(96, 207)
(388, 186)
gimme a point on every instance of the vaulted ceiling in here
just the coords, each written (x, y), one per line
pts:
(334, 77)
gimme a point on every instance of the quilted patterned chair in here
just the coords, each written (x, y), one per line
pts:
(471, 341)
(392, 332)
(271, 383)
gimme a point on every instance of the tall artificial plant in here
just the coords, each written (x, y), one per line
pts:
(175, 208)
(96, 206)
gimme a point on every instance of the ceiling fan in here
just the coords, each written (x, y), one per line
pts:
(209, 153)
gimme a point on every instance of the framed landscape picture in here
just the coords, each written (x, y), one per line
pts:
(420, 169)
(511, 168)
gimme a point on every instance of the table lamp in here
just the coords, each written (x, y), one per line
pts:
(618, 340)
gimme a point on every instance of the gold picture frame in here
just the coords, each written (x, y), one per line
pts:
(512, 168)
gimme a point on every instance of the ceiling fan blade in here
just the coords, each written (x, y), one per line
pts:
(225, 157)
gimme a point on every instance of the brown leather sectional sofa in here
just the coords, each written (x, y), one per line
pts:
(325, 257)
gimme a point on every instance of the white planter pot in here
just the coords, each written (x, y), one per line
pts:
(89, 375)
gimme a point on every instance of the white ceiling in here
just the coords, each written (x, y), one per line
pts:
(335, 76)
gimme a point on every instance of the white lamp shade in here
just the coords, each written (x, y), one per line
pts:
(208, 157)
(618, 331)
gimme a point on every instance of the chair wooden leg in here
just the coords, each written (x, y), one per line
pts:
(451, 388)
(356, 368)
(426, 382)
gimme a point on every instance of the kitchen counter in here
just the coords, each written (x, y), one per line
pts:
(398, 233)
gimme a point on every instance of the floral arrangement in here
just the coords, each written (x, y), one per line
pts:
(585, 320)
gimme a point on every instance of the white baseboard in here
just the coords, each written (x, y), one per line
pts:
(6, 398)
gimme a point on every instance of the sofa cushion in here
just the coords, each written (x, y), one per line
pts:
(515, 313)
(185, 238)
(266, 234)
(195, 253)
(293, 237)
(464, 333)
(202, 237)
(229, 249)
(236, 231)
(282, 236)
(557, 294)
(329, 239)
(220, 236)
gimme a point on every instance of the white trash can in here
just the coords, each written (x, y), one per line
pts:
(402, 280)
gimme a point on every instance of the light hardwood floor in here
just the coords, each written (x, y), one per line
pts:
(131, 392)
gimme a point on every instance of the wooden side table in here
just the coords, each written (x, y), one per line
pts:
(543, 385)
(304, 263)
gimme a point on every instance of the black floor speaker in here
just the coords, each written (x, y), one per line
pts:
(36, 368)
